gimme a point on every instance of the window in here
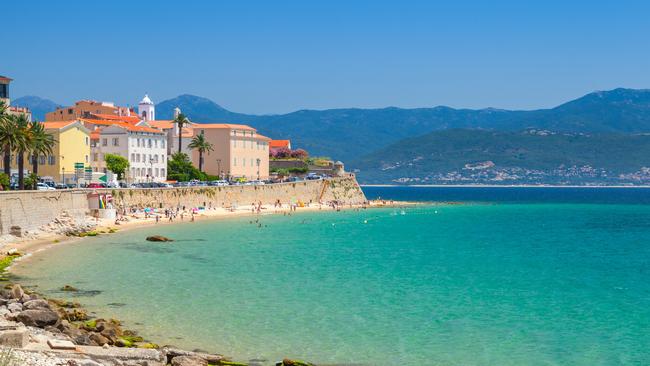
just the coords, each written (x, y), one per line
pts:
(116, 141)
(137, 158)
(156, 172)
(162, 173)
(86, 158)
(163, 144)
(132, 157)
(87, 141)
(162, 158)
(156, 144)
(104, 142)
(234, 161)
(51, 160)
(149, 143)
(41, 159)
(69, 110)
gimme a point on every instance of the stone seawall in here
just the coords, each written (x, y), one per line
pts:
(23, 211)
(27, 211)
(345, 190)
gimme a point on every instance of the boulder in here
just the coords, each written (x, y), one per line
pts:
(69, 288)
(158, 238)
(99, 339)
(17, 292)
(38, 317)
(15, 307)
(14, 338)
(36, 304)
(189, 361)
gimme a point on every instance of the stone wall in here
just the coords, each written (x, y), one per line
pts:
(345, 190)
(29, 210)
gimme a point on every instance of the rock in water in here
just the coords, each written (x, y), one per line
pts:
(38, 317)
(158, 238)
(68, 288)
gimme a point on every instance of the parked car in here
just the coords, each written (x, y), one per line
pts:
(95, 185)
(60, 186)
(313, 176)
(44, 187)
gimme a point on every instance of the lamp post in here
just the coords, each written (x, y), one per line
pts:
(151, 163)
(63, 174)
(219, 168)
(258, 168)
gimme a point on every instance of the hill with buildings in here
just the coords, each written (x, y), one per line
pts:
(350, 133)
(461, 156)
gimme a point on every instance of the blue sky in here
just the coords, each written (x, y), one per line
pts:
(281, 56)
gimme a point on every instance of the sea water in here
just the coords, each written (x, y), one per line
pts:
(487, 282)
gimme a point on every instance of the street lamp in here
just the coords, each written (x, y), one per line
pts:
(219, 168)
(63, 174)
(258, 168)
(151, 162)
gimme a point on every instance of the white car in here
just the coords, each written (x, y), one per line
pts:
(44, 187)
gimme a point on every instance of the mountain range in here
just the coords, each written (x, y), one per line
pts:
(355, 135)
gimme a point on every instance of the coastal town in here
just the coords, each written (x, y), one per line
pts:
(99, 144)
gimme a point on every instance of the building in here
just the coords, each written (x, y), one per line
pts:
(72, 147)
(84, 109)
(4, 97)
(280, 144)
(143, 146)
(146, 109)
(239, 151)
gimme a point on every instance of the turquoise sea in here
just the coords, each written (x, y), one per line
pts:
(505, 278)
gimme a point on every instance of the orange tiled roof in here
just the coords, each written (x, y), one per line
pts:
(94, 135)
(162, 124)
(125, 125)
(224, 125)
(57, 125)
(276, 144)
(129, 119)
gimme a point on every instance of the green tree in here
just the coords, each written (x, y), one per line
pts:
(42, 144)
(200, 144)
(8, 137)
(117, 164)
(22, 145)
(180, 122)
(180, 168)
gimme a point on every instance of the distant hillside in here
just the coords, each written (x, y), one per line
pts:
(537, 156)
(347, 134)
(37, 105)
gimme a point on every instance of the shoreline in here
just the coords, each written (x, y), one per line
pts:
(29, 247)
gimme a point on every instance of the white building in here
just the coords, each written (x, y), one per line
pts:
(146, 109)
(144, 147)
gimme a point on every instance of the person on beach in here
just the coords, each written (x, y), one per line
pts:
(157, 218)
(192, 216)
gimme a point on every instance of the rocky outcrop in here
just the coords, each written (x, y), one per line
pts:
(159, 238)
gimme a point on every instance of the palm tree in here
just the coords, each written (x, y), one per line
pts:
(22, 146)
(42, 144)
(180, 122)
(200, 144)
(6, 137)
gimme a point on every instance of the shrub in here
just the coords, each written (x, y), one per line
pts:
(4, 181)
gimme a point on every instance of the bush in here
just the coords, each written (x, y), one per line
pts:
(4, 182)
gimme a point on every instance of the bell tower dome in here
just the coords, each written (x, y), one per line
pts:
(146, 109)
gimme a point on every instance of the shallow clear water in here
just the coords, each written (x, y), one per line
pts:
(475, 284)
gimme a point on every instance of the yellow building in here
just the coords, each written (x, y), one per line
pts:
(72, 146)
